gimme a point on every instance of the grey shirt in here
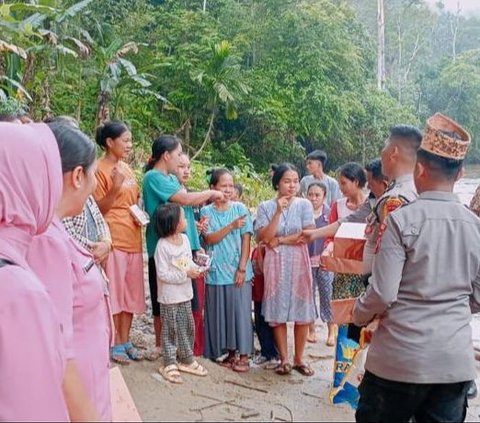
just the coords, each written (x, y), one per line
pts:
(401, 191)
(426, 277)
(333, 190)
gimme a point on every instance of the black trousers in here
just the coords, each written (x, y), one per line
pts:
(384, 400)
(264, 333)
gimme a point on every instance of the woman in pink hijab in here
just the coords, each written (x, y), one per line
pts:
(76, 285)
(31, 347)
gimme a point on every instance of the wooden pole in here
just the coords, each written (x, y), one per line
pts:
(381, 45)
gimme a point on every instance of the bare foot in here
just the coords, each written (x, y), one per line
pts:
(330, 341)
(312, 337)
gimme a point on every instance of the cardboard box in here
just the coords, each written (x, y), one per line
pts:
(342, 310)
(348, 245)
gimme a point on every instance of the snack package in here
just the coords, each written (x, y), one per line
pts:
(139, 215)
(348, 370)
(203, 260)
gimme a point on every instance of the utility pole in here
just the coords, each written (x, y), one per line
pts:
(381, 45)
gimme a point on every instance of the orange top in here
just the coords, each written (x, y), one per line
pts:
(126, 234)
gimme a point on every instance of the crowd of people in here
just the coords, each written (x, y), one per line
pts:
(72, 269)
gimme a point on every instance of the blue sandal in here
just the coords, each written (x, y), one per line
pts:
(118, 354)
(132, 352)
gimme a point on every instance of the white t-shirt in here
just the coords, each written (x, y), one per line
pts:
(172, 263)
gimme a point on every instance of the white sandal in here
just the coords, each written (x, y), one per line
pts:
(171, 373)
(194, 368)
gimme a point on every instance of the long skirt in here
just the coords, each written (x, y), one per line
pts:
(228, 320)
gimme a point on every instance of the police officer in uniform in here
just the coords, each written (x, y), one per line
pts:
(398, 161)
(424, 285)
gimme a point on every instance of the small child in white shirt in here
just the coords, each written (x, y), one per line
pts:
(175, 269)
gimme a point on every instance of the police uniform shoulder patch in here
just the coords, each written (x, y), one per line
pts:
(391, 204)
(387, 206)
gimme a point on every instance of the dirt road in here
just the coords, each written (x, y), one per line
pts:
(265, 396)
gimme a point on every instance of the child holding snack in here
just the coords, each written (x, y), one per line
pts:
(175, 269)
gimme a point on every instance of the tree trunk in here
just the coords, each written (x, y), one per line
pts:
(381, 45)
(103, 110)
(207, 136)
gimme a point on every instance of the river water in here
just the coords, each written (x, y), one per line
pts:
(465, 187)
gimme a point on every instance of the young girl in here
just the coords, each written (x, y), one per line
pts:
(322, 279)
(175, 269)
(228, 302)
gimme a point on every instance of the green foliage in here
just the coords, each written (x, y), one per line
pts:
(246, 83)
(11, 107)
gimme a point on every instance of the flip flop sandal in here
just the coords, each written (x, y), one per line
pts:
(171, 374)
(228, 362)
(132, 352)
(241, 366)
(194, 368)
(283, 369)
(119, 355)
(304, 369)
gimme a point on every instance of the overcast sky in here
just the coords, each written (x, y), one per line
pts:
(465, 5)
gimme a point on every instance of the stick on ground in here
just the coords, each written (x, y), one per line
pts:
(242, 385)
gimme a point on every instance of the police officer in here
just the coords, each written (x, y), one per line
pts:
(398, 161)
(425, 282)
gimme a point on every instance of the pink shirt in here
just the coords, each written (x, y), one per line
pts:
(31, 373)
(76, 288)
(32, 361)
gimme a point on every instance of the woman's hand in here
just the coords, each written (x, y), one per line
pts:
(282, 204)
(100, 251)
(308, 235)
(117, 178)
(238, 223)
(202, 225)
(216, 195)
(273, 243)
(327, 252)
(239, 278)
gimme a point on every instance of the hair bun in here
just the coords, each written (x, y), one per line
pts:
(274, 167)
(209, 172)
